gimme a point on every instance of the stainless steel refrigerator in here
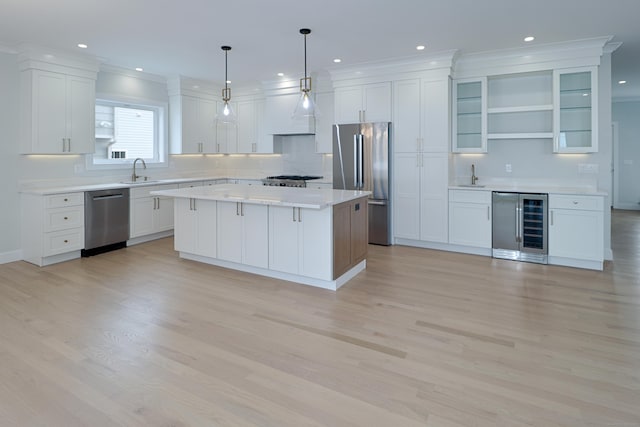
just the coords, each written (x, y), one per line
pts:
(361, 162)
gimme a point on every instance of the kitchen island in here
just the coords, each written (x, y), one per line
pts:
(316, 237)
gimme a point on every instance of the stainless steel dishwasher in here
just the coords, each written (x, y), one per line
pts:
(106, 220)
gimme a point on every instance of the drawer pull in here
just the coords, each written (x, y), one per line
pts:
(66, 200)
(575, 203)
(66, 241)
(66, 218)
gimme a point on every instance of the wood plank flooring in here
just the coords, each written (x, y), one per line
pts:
(138, 337)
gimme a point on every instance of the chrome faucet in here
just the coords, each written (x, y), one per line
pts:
(134, 177)
(474, 178)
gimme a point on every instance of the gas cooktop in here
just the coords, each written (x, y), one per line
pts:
(289, 180)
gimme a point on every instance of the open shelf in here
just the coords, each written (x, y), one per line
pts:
(520, 109)
(531, 135)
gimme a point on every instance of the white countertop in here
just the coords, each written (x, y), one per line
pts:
(266, 195)
(531, 188)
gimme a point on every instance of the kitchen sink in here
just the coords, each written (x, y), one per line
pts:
(470, 185)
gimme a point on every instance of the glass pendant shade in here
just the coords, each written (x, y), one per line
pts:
(305, 107)
(226, 113)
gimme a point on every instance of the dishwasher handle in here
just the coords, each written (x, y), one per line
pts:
(110, 196)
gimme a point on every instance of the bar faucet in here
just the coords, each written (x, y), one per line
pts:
(474, 178)
(134, 177)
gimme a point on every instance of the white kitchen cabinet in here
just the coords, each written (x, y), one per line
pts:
(195, 227)
(150, 214)
(247, 141)
(279, 116)
(57, 113)
(363, 103)
(470, 218)
(469, 121)
(53, 227)
(193, 125)
(324, 122)
(576, 230)
(420, 204)
(407, 128)
(575, 110)
(226, 137)
(299, 243)
(243, 233)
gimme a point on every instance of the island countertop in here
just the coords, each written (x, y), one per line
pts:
(310, 198)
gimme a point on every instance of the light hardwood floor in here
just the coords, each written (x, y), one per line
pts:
(138, 337)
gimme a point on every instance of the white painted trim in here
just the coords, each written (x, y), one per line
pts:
(142, 75)
(149, 237)
(319, 283)
(470, 250)
(10, 256)
(608, 254)
(577, 263)
(616, 164)
(628, 206)
(42, 58)
(5, 48)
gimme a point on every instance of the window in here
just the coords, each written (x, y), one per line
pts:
(126, 131)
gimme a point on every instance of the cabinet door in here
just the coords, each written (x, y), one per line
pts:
(348, 104)
(265, 140)
(435, 116)
(207, 236)
(163, 214)
(283, 239)
(226, 138)
(247, 135)
(186, 228)
(406, 116)
(315, 243)
(255, 239)
(407, 196)
(191, 142)
(376, 102)
(469, 121)
(207, 125)
(141, 220)
(470, 224)
(229, 224)
(279, 111)
(81, 114)
(576, 234)
(434, 202)
(49, 112)
(324, 122)
(575, 110)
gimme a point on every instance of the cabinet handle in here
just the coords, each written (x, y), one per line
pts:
(241, 209)
(64, 145)
(254, 147)
(299, 216)
(293, 212)
(66, 218)
(66, 200)
(551, 219)
(66, 241)
(69, 145)
(158, 199)
(218, 148)
(488, 213)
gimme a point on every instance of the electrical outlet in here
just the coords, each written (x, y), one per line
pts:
(588, 168)
(507, 167)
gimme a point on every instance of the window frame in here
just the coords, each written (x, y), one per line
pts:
(161, 143)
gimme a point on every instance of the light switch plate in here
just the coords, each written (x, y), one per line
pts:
(507, 168)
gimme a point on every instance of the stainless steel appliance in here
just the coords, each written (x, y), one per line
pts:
(361, 162)
(106, 220)
(288, 180)
(520, 226)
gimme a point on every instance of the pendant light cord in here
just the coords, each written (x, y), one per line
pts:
(225, 69)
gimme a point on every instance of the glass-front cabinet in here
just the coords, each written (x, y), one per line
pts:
(575, 113)
(470, 116)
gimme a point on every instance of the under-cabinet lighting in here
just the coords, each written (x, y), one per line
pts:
(139, 69)
(529, 38)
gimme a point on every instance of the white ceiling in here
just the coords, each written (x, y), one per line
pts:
(168, 37)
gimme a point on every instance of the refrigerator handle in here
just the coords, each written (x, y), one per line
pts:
(361, 160)
(517, 224)
(356, 171)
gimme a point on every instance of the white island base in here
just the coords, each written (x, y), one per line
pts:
(316, 237)
(333, 285)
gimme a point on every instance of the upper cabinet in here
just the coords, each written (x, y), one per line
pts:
(363, 103)
(193, 124)
(470, 116)
(575, 116)
(57, 113)
(324, 122)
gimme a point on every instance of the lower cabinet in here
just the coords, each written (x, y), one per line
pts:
(53, 227)
(243, 233)
(299, 243)
(470, 218)
(350, 235)
(576, 230)
(150, 214)
(195, 226)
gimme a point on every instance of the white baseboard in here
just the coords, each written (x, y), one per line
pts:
(628, 206)
(11, 256)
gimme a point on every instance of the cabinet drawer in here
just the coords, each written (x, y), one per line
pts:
(63, 218)
(190, 184)
(214, 182)
(62, 200)
(59, 242)
(145, 191)
(470, 196)
(585, 203)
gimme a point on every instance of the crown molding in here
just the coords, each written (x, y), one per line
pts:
(5, 48)
(611, 47)
(38, 57)
(112, 69)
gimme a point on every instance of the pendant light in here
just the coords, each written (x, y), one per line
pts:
(225, 112)
(305, 107)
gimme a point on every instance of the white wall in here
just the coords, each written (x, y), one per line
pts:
(9, 133)
(627, 115)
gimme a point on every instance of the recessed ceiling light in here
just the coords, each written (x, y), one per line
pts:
(337, 60)
(139, 69)
(280, 74)
(82, 46)
(420, 47)
(621, 82)
(228, 82)
(529, 38)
